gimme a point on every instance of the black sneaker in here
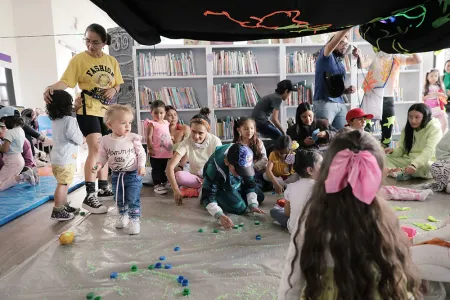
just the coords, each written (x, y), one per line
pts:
(71, 209)
(61, 215)
(92, 204)
(105, 194)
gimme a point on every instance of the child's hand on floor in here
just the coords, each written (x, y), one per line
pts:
(226, 222)
(278, 189)
(410, 170)
(178, 196)
(257, 210)
(141, 171)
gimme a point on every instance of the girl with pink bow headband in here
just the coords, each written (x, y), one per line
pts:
(347, 243)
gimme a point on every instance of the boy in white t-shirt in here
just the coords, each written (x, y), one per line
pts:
(307, 165)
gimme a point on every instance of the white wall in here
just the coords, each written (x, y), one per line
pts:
(8, 46)
(37, 63)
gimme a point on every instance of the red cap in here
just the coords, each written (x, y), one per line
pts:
(357, 113)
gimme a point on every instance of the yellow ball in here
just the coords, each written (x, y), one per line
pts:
(66, 238)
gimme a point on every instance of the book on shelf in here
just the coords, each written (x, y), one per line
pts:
(235, 63)
(235, 95)
(300, 62)
(178, 97)
(301, 92)
(166, 65)
(224, 127)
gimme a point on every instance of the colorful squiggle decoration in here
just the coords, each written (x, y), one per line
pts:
(296, 26)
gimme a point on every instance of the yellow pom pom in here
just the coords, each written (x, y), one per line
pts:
(66, 238)
(295, 145)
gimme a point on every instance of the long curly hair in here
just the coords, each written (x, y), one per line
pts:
(370, 251)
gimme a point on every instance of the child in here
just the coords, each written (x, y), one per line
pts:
(280, 169)
(159, 146)
(347, 243)
(244, 132)
(229, 185)
(440, 170)
(356, 119)
(123, 152)
(67, 137)
(435, 97)
(307, 165)
(12, 147)
(306, 124)
(416, 149)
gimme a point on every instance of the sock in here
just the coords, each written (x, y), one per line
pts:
(90, 187)
(102, 184)
(58, 208)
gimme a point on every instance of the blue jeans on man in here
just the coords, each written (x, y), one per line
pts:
(127, 192)
(334, 112)
(267, 129)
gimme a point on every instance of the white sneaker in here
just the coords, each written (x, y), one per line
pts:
(122, 221)
(160, 189)
(167, 185)
(135, 227)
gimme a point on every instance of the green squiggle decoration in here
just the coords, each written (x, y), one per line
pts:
(441, 21)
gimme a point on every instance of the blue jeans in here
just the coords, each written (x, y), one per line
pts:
(334, 112)
(268, 130)
(278, 215)
(127, 192)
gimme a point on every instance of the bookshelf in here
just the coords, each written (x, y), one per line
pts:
(272, 66)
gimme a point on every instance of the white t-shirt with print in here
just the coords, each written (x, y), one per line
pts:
(16, 137)
(297, 194)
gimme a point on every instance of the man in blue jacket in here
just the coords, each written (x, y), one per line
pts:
(229, 183)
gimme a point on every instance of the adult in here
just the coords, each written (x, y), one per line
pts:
(230, 185)
(98, 76)
(446, 82)
(330, 61)
(178, 132)
(267, 111)
(384, 71)
(197, 148)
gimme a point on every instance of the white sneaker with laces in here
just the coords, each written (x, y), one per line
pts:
(122, 221)
(160, 189)
(135, 227)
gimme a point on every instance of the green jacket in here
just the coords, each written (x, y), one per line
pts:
(217, 179)
(423, 151)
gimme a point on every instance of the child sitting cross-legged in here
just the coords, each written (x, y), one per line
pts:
(126, 157)
(307, 165)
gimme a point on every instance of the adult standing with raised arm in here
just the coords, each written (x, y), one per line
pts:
(98, 76)
(328, 105)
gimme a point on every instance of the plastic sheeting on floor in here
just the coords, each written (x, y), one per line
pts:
(223, 265)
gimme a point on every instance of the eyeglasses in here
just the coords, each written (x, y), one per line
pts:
(343, 44)
(93, 43)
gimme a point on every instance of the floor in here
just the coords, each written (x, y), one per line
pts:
(223, 265)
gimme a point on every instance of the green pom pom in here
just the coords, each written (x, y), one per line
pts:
(200, 230)
(257, 222)
(236, 226)
(90, 296)
(134, 268)
(215, 231)
(151, 267)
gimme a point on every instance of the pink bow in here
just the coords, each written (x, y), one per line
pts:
(360, 170)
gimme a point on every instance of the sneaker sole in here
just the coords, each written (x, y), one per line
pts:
(61, 219)
(105, 198)
(93, 210)
(160, 192)
(134, 233)
(121, 226)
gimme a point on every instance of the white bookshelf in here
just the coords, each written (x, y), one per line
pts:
(271, 59)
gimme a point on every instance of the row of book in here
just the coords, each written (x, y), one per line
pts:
(178, 97)
(235, 63)
(166, 65)
(224, 127)
(302, 92)
(235, 95)
(300, 62)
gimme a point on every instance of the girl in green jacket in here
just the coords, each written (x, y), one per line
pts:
(416, 150)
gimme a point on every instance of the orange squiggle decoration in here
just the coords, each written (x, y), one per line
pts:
(293, 14)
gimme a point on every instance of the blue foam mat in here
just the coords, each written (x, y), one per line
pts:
(22, 198)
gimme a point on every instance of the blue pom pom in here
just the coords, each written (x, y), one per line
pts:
(176, 249)
(158, 265)
(168, 266)
(113, 275)
(162, 258)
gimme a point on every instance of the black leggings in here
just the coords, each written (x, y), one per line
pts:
(159, 170)
(387, 121)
